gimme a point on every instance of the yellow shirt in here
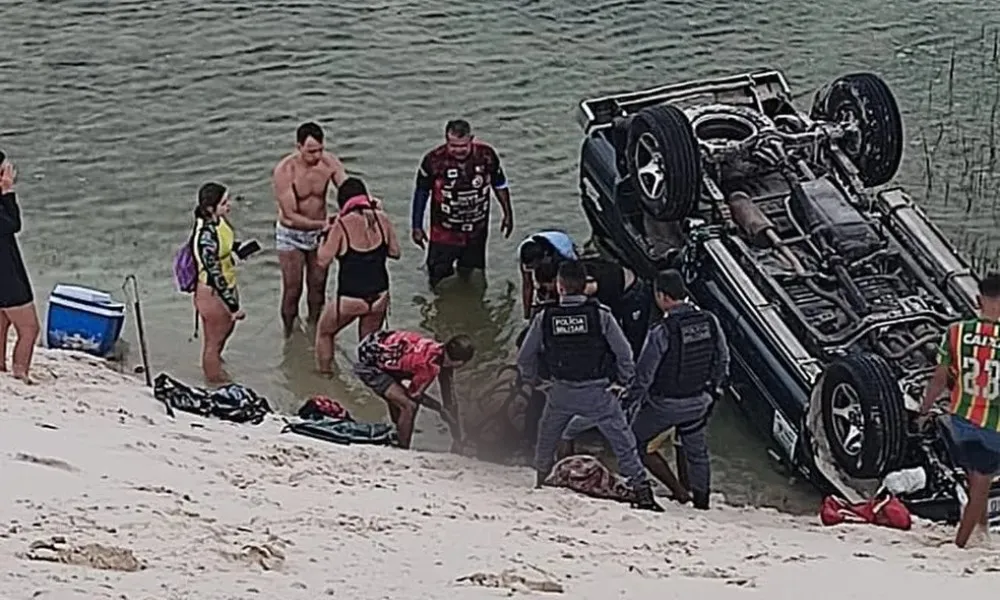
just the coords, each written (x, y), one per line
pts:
(226, 240)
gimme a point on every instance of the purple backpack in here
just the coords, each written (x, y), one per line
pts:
(185, 269)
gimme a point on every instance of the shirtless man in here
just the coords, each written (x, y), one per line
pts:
(301, 181)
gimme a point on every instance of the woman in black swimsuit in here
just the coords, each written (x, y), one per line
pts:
(362, 239)
(17, 302)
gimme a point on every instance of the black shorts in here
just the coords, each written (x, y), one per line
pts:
(442, 258)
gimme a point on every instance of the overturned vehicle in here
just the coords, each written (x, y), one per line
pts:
(834, 289)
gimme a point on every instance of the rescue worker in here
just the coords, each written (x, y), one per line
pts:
(584, 351)
(627, 296)
(613, 285)
(548, 244)
(968, 361)
(679, 374)
(456, 177)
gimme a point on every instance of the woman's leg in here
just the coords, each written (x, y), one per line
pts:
(216, 324)
(25, 321)
(4, 328)
(336, 315)
(373, 319)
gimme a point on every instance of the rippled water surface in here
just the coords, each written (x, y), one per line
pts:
(117, 111)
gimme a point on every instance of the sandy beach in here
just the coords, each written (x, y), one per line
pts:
(103, 496)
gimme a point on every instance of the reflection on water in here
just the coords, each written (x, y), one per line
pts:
(463, 307)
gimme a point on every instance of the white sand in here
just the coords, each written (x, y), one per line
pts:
(86, 455)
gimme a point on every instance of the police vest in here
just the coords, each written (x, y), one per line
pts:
(686, 369)
(575, 346)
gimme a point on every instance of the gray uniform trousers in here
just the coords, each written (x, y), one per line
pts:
(593, 402)
(689, 415)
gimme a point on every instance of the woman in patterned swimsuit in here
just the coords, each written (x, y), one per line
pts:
(216, 299)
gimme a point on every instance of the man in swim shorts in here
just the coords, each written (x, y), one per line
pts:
(456, 178)
(388, 358)
(301, 181)
(969, 360)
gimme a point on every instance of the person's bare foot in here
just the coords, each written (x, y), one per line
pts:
(24, 377)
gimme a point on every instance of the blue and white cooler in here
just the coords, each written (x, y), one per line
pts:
(84, 319)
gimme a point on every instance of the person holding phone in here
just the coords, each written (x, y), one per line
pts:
(17, 301)
(216, 298)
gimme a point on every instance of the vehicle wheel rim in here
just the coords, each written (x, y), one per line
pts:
(848, 420)
(649, 166)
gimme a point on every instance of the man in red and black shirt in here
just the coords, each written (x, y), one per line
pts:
(456, 177)
(387, 358)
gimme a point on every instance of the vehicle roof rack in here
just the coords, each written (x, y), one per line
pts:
(755, 87)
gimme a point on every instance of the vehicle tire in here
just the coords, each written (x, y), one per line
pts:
(866, 101)
(864, 417)
(663, 159)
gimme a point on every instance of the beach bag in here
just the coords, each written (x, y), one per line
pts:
(345, 431)
(318, 407)
(233, 402)
(588, 476)
(185, 269)
(886, 511)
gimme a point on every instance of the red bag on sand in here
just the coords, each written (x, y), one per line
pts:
(319, 407)
(886, 511)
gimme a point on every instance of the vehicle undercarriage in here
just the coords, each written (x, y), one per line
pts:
(837, 288)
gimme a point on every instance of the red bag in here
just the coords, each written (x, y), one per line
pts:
(319, 407)
(886, 511)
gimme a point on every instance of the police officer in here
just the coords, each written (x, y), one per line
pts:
(613, 285)
(584, 351)
(680, 370)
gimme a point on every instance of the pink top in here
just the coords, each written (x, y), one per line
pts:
(359, 201)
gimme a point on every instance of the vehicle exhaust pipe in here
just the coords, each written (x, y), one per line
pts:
(759, 228)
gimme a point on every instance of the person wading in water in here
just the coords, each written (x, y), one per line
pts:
(216, 298)
(17, 301)
(301, 181)
(362, 239)
(456, 178)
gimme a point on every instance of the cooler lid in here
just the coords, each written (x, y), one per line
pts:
(82, 294)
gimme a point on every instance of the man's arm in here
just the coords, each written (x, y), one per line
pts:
(652, 352)
(288, 206)
(527, 291)
(330, 247)
(338, 173)
(531, 347)
(421, 193)
(619, 347)
(939, 381)
(425, 374)
(501, 188)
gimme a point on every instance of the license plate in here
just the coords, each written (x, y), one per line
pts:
(993, 509)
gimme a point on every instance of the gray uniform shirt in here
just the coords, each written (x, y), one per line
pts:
(533, 346)
(655, 348)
